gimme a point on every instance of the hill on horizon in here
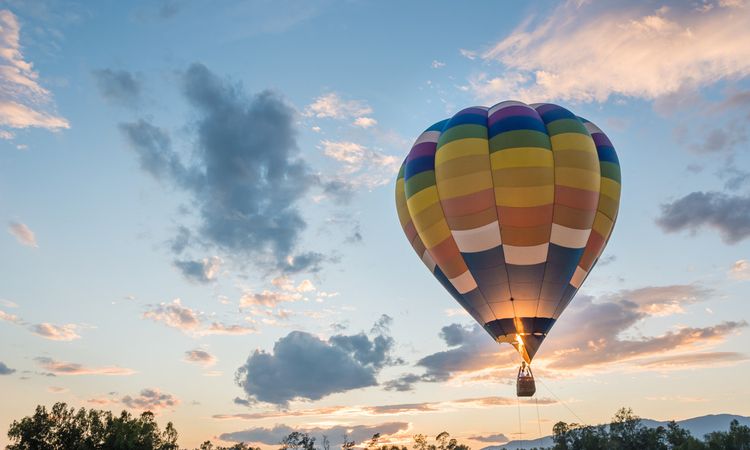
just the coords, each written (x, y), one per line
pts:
(698, 427)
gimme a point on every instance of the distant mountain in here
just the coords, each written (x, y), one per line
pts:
(698, 427)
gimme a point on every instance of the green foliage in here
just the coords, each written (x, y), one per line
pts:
(626, 432)
(66, 428)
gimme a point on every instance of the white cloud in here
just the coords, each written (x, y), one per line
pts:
(8, 303)
(23, 101)
(67, 332)
(201, 357)
(174, 315)
(190, 321)
(437, 64)
(305, 286)
(365, 122)
(362, 166)
(589, 54)
(268, 298)
(222, 328)
(740, 270)
(23, 234)
(470, 54)
(12, 318)
(332, 106)
(69, 368)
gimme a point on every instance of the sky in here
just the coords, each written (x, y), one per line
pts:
(197, 203)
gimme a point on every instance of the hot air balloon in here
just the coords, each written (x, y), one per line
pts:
(510, 208)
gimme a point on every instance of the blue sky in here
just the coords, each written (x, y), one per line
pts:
(134, 132)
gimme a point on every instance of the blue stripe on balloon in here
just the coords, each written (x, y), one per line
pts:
(513, 123)
(419, 165)
(607, 153)
(467, 119)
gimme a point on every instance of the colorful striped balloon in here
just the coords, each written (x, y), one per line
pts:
(510, 207)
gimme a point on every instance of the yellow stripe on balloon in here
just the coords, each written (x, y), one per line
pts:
(522, 157)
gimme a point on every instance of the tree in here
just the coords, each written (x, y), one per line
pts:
(298, 441)
(68, 428)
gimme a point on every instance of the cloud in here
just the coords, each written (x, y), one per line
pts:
(728, 214)
(23, 234)
(247, 177)
(12, 318)
(8, 303)
(174, 315)
(118, 87)
(593, 332)
(268, 298)
(356, 433)
(722, 139)
(286, 292)
(591, 53)
(364, 122)
(23, 101)
(662, 300)
(201, 357)
(57, 389)
(332, 106)
(339, 364)
(361, 166)
(190, 321)
(69, 368)
(67, 332)
(499, 438)
(471, 349)
(705, 359)
(150, 400)
(599, 333)
(222, 328)
(200, 271)
(437, 64)
(740, 270)
(351, 411)
(5, 370)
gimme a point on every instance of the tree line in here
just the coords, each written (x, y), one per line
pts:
(65, 428)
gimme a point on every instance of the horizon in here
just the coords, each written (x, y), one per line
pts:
(199, 218)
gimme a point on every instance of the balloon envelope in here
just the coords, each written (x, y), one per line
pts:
(510, 207)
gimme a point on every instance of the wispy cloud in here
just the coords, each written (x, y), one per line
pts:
(201, 357)
(589, 53)
(361, 166)
(68, 368)
(150, 400)
(12, 318)
(332, 106)
(23, 234)
(174, 315)
(364, 122)
(399, 409)
(23, 101)
(190, 321)
(119, 87)
(67, 332)
(695, 360)
(740, 270)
